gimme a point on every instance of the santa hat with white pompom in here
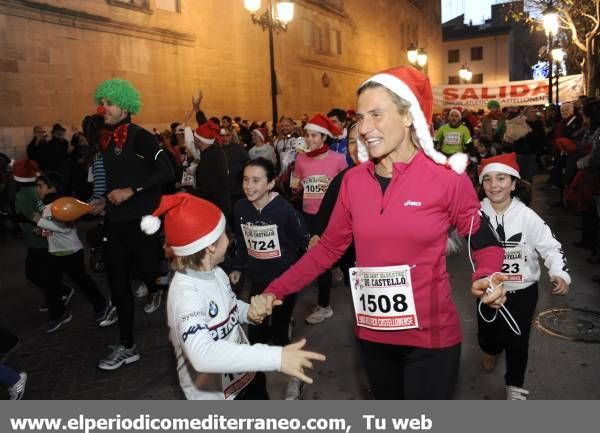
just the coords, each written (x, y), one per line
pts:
(414, 87)
(191, 223)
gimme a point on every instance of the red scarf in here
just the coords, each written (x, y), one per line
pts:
(321, 150)
(119, 135)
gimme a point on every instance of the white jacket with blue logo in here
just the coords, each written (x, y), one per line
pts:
(530, 237)
(205, 318)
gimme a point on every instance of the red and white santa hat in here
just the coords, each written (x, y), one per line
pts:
(414, 87)
(25, 170)
(207, 132)
(191, 223)
(322, 124)
(504, 163)
(262, 134)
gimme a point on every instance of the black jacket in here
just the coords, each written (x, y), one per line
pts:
(212, 178)
(291, 230)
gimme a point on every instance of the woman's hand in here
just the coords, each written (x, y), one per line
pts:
(496, 296)
(262, 305)
(560, 286)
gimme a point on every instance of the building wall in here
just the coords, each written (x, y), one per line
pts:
(53, 53)
(495, 63)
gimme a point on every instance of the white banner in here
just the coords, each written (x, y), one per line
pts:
(530, 92)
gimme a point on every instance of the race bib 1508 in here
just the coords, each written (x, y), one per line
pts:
(383, 298)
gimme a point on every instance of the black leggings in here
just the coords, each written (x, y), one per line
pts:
(410, 373)
(38, 271)
(129, 247)
(324, 280)
(73, 266)
(497, 336)
(275, 328)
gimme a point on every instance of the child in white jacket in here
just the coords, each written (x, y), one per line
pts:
(66, 255)
(525, 237)
(214, 359)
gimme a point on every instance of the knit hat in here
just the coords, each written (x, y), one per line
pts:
(207, 132)
(504, 163)
(25, 170)
(121, 93)
(262, 134)
(493, 104)
(324, 125)
(414, 87)
(455, 110)
(191, 223)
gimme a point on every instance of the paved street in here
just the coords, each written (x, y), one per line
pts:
(62, 365)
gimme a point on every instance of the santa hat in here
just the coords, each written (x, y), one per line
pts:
(324, 125)
(191, 223)
(504, 163)
(262, 134)
(456, 110)
(207, 132)
(414, 87)
(25, 170)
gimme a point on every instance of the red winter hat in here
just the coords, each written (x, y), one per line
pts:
(324, 125)
(504, 163)
(207, 132)
(25, 170)
(191, 223)
(414, 87)
(262, 133)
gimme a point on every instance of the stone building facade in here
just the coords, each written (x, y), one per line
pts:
(53, 53)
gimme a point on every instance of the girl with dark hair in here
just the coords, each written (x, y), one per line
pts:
(94, 130)
(269, 237)
(525, 237)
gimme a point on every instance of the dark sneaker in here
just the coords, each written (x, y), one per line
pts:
(107, 316)
(53, 325)
(120, 355)
(66, 298)
(154, 303)
(16, 391)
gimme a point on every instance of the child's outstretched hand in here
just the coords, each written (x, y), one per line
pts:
(560, 286)
(294, 360)
(261, 306)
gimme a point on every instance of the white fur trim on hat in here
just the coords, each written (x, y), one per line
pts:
(24, 179)
(419, 122)
(500, 168)
(203, 242)
(203, 139)
(317, 128)
(260, 134)
(457, 111)
(150, 224)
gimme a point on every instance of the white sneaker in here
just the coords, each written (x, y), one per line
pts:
(16, 391)
(516, 393)
(319, 314)
(141, 289)
(294, 389)
(154, 303)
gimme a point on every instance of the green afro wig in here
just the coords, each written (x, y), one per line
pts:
(493, 104)
(119, 92)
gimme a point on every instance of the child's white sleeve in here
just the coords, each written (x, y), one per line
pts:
(207, 352)
(243, 309)
(548, 247)
(53, 226)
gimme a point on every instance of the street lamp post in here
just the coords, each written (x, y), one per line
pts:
(273, 19)
(550, 22)
(558, 55)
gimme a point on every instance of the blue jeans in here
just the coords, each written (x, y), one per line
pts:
(8, 376)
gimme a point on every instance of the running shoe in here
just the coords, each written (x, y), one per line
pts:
(54, 324)
(107, 316)
(119, 356)
(17, 391)
(154, 303)
(319, 314)
(516, 393)
(294, 389)
(141, 290)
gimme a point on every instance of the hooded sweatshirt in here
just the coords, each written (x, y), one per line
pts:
(527, 237)
(408, 225)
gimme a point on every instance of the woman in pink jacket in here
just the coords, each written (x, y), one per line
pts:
(398, 207)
